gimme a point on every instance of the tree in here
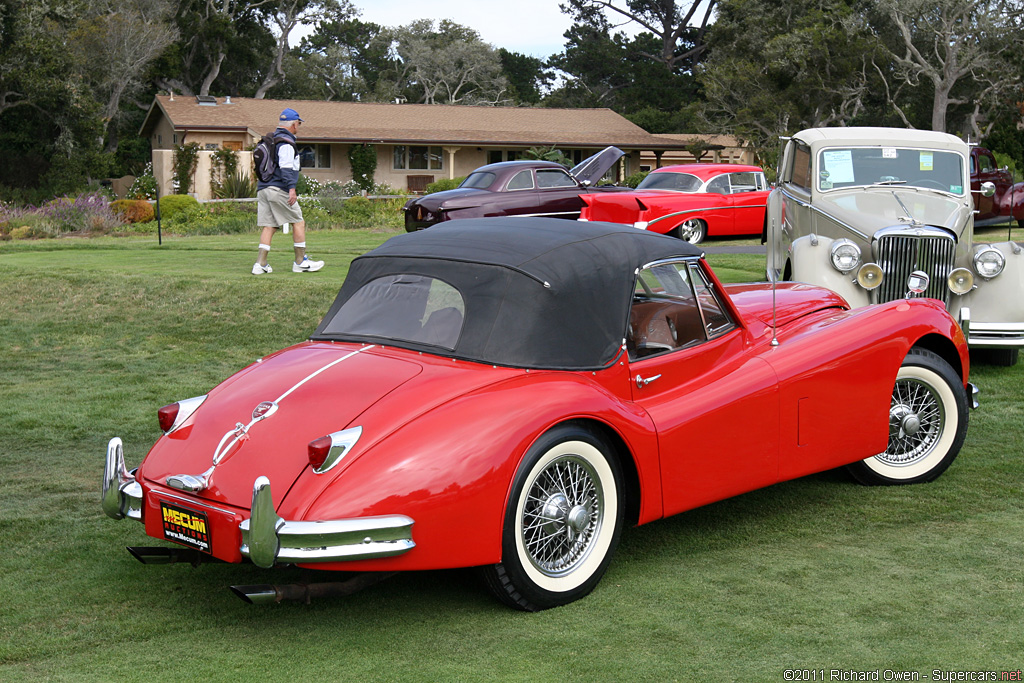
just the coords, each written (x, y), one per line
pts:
(114, 44)
(961, 47)
(627, 74)
(678, 39)
(777, 68)
(286, 16)
(527, 76)
(450, 65)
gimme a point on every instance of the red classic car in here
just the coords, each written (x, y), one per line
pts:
(1003, 200)
(690, 201)
(509, 393)
(516, 188)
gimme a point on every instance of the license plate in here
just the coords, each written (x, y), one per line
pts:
(185, 526)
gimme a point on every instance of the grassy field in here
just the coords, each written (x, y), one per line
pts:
(813, 574)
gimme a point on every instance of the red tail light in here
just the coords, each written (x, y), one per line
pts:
(166, 416)
(318, 450)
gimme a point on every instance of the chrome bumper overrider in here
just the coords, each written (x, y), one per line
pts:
(266, 538)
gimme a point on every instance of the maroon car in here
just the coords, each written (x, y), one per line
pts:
(515, 188)
(1002, 199)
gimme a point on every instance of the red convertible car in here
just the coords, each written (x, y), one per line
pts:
(511, 398)
(691, 202)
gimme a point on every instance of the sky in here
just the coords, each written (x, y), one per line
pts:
(531, 27)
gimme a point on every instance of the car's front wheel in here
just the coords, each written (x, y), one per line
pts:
(562, 522)
(928, 417)
(693, 231)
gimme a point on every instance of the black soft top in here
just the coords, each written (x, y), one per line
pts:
(539, 292)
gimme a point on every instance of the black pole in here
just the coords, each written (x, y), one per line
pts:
(159, 236)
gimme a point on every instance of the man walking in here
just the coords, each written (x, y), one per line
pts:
(277, 203)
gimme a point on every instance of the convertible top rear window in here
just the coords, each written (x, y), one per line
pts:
(410, 308)
(680, 182)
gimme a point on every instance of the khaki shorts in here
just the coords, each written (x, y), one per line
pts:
(272, 208)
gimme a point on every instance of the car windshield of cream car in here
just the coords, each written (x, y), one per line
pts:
(864, 166)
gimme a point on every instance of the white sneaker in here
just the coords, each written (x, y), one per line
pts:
(257, 269)
(307, 266)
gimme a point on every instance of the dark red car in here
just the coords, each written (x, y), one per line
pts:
(515, 188)
(1003, 200)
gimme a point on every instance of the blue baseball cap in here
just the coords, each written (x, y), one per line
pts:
(290, 114)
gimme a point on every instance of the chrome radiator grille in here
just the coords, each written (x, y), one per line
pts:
(900, 255)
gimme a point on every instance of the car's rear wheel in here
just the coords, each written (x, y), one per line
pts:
(562, 522)
(928, 417)
(693, 231)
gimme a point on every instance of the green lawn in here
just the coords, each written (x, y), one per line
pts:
(816, 573)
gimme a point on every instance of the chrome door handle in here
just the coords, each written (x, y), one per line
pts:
(641, 382)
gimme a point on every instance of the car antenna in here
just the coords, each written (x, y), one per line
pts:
(775, 338)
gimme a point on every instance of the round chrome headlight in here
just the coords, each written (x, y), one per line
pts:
(870, 276)
(960, 281)
(845, 255)
(989, 262)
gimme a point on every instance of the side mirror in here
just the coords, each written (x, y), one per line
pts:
(988, 189)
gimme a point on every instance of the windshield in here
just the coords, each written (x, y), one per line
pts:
(679, 182)
(859, 166)
(479, 180)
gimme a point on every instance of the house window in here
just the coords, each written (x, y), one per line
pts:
(417, 158)
(174, 140)
(495, 156)
(314, 156)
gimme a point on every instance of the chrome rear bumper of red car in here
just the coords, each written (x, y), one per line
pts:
(267, 539)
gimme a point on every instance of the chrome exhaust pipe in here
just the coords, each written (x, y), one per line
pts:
(159, 555)
(265, 594)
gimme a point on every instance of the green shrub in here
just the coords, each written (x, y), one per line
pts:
(173, 203)
(634, 179)
(236, 185)
(444, 184)
(133, 210)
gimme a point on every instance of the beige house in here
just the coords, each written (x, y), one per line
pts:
(415, 143)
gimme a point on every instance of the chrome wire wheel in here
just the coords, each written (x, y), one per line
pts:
(916, 418)
(562, 521)
(562, 515)
(928, 417)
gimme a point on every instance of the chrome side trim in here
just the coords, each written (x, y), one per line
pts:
(705, 208)
(120, 494)
(268, 540)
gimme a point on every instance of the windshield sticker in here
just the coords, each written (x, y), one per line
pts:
(927, 161)
(956, 189)
(838, 164)
(890, 153)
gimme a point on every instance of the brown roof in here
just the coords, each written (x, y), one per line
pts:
(401, 123)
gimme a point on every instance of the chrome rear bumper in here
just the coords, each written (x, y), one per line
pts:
(991, 335)
(267, 539)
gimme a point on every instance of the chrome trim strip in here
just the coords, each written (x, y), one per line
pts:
(541, 215)
(706, 208)
(841, 224)
(194, 483)
(267, 539)
(195, 502)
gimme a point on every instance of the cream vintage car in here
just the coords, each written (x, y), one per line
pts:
(864, 211)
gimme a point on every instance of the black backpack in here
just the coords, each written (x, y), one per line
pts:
(264, 157)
